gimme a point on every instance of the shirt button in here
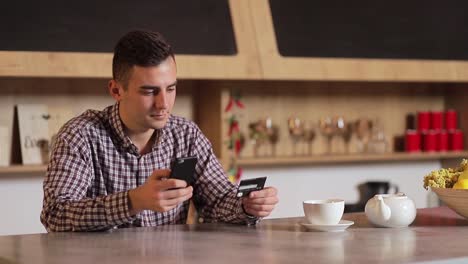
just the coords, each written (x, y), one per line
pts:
(200, 220)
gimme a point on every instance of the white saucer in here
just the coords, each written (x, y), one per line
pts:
(341, 226)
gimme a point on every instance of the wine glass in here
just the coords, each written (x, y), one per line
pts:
(309, 135)
(347, 135)
(257, 133)
(363, 127)
(343, 129)
(296, 131)
(272, 133)
(328, 129)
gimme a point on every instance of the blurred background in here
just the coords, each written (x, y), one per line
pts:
(328, 99)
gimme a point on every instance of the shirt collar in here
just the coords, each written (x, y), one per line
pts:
(118, 126)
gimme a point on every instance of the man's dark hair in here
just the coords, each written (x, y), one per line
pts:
(140, 47)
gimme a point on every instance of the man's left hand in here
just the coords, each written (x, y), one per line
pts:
(260, 203)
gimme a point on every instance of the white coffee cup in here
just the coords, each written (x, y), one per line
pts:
(323, 212)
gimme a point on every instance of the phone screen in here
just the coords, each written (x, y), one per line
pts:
(184, 169)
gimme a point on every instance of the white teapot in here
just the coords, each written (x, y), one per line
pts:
(390, 210)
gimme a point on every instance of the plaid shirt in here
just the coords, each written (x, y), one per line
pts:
(94, 164)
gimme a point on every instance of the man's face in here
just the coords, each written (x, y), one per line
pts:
(150, 95)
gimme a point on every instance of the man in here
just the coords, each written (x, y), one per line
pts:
(110, 168)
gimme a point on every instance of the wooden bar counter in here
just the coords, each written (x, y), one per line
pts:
(438, 234)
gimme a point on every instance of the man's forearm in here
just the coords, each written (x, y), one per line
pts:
(88, 214)
(227, 209)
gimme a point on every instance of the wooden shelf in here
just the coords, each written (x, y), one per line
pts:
(23, 169)
(355, 158)
(285, 161)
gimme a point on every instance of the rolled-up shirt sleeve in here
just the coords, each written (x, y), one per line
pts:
(66, 205)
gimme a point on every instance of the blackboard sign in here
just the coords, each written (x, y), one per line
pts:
(397, 29)
(192, 27)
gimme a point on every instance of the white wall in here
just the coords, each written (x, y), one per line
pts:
(21, 196)
(20, 204)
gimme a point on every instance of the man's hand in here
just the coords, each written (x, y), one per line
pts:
(260, 203)
(159, 193)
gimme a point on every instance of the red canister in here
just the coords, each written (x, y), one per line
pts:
(451, 119)
(412, 141)
(424, 119)
(456, 140)
(430, 141)
(443, 140)
(437, 120)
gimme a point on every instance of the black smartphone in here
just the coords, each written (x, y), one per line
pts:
(184, 169)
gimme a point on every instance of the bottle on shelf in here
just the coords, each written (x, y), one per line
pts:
(378, 141)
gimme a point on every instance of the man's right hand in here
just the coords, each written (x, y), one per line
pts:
(159, 193)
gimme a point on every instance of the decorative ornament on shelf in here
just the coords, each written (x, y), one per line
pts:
(235, 173)
(236, 139)
(264, 131)
(234, 100)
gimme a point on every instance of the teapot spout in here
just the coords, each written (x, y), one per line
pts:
(382, 209)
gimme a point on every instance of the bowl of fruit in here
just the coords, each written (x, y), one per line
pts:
(451, 186)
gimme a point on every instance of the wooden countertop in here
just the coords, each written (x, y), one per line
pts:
(437, 234)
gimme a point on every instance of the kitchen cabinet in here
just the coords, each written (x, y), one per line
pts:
(325, 66)
(278, 67)
(207, 55)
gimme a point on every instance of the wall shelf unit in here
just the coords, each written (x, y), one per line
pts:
(288, 161)
(342, 159)
(23, 169)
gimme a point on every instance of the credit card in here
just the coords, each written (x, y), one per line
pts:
(247, 186)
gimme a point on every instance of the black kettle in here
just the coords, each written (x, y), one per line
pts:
(367, 190)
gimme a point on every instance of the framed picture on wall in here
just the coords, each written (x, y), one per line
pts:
(34, 133)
